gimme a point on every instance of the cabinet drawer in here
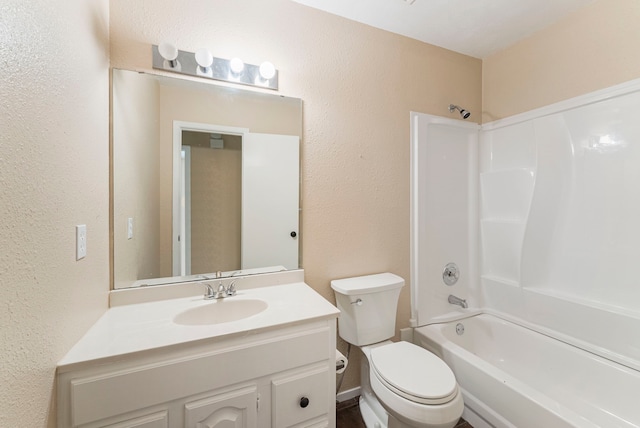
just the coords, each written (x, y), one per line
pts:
(154, 420)
(299, 396)
(322, 422)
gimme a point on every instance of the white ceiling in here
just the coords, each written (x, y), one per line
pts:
(477, 28)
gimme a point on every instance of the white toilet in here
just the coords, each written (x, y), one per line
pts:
(402, 384)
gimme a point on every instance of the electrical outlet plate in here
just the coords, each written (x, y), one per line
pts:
(81, 241)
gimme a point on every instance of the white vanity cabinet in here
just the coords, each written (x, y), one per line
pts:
(281, 377)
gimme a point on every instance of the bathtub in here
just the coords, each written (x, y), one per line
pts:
(513, 376)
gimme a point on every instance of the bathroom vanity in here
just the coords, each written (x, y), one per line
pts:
(165, 357)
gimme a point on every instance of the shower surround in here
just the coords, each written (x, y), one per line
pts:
(560, 227)
(551, 237)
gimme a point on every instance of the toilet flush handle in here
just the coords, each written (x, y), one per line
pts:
(357, 302)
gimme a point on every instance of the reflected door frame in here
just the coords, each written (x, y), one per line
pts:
(185, 210)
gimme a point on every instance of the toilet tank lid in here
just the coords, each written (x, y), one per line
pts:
(367, 284)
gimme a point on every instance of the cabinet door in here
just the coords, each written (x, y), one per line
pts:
(230, 409)
(300, 397)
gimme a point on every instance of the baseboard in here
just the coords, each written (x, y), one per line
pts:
(348, 394)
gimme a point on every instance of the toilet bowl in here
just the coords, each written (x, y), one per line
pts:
(402, 384)
(416, 388)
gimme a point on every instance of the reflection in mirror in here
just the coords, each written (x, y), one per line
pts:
(209, 201)
(244, 199)
(218, 207)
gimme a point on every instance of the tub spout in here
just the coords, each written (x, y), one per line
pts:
(458, 301)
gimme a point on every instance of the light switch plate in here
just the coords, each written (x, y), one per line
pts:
(81, 241)
(130, 228)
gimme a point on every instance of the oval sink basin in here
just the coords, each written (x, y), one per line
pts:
(221, 311)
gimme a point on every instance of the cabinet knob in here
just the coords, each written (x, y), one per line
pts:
(293, 234)
(304, 402)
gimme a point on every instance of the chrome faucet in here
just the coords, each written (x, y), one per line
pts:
(222, 291)
(458, 301)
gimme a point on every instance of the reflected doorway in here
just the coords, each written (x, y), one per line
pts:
(236, 203)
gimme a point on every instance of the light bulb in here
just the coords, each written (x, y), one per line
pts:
(267, 70)
(169, 52)
(204, 60)
(236, 65)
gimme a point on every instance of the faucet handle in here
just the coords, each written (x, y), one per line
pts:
(231, 290)
(209, 294)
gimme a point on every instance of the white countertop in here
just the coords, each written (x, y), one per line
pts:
(148, 326)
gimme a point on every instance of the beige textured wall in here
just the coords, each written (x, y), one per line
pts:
(592, 49)
(216, 202)
(54, 174)
(358, 85)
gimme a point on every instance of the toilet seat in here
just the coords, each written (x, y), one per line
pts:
(414, 373)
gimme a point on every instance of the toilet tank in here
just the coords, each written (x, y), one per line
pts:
(368, 306)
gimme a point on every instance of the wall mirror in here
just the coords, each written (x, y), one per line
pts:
(205, 180)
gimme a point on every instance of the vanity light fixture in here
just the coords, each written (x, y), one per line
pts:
(203, 64)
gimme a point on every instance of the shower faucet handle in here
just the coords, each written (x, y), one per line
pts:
(450, 274)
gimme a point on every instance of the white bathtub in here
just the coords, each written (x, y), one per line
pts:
(512, 376)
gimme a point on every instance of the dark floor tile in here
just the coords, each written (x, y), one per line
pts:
(349, 416)
(340, 405)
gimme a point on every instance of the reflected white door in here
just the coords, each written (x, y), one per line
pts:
(270, 200)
